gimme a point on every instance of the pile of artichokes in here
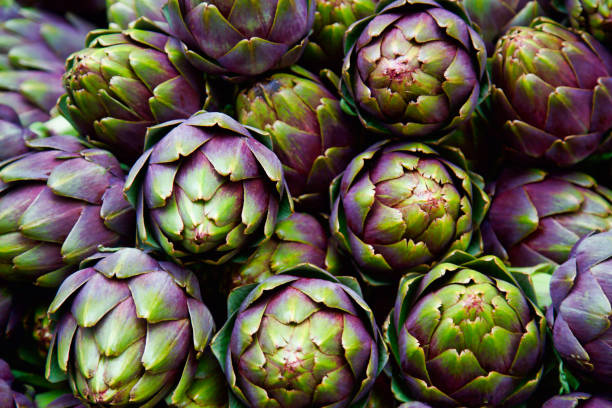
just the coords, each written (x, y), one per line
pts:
(305, 204)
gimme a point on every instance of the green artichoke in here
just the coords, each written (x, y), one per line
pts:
(9, 398)
(495, 17)
(577, 400)
(552, 92)
(331, 21)
(205, 190)
(122, 14)
(33, 48)
(582, 300)
(592, 16)
(306, 128)
(126, 82)
(299, 238)
(130, 328)
(400, 207)
(300, 339)
(58, 203)
(414, 69)
(207, 388)
(241, 37)
(537, 216)
(464, 335)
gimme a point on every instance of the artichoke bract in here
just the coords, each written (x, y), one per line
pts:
(566, 78)
(577, 400)
(464, 335)
(10, 398)
(300, 339)
(13, 135)
(207, 388)
(537, 216)
(495, 17)
(591, 16)
(401, 206)
(125, 82)
(331, 21)
(414, 69)
(58, 203)
(241, 37)
(297, 239)
(130, 328)
(306, 128)
(33, 48)
(205, 190)
(122, 14)
(581, 291)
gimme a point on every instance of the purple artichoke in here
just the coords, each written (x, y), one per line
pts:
(577, 400)
(553, 92)
(205, 190)
(130, 328)
(58, 203)
(33, 48)
(13, 135)
(126, 82)
(123, 13)
(300, 339)
(414, 69)
(592, 16)
(241, 37)
(304, 125)
(465, 335)
(581, 291)
(537, 216)
(399, 207)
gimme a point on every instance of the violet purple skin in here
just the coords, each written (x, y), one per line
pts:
(581, 291)
(58, 203)
(8, 397)
(241, 37)
(140, 323)
(553, 92)
(537, 216)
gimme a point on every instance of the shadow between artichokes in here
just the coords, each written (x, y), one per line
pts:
(205, 189)
(465, 335)
(414, 69)
(300, 339)
(401, 206)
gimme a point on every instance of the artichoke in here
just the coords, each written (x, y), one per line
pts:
(206, 190)
(65, 401)
(577, 400)
(126, 82)
(10, 398)
(241, 37)
(414, 404)
(414, 69)
(304, 125)
(92, 10)
(300, 339)
(591, 16)
(129, 329)
(122, 14)
(206, 389)
(299, 238)
(33, 48)
(581, 295)
(331, 21)
(465, 335)
(58, 203)
(401, 206)
(552, 92)
(537, 216)
(495, 17)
